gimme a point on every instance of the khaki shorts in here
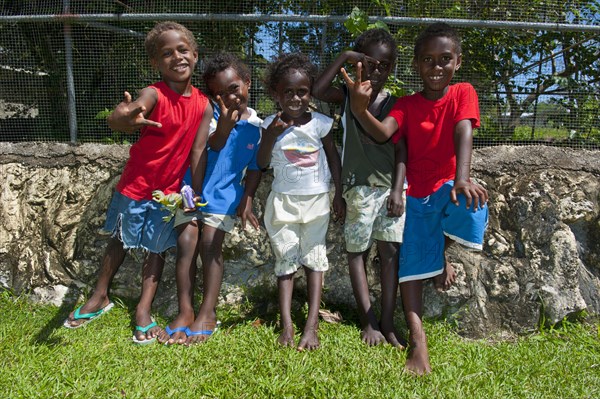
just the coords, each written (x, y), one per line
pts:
(367, 219)
(297, 227)
(225, 223)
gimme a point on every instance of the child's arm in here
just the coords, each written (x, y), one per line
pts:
(360, 96)
(323, 87)
(335, 166)
(395, 203)
(463, 144)
(244, 210)
(269, 136)
(198, 153)
(228, 117)
(130, 116)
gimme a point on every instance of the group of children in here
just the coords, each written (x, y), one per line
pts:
(424, 139)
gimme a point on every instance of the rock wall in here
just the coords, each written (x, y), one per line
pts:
(541, 258)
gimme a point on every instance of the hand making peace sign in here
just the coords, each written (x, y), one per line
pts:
(360, 92)
(229, 116)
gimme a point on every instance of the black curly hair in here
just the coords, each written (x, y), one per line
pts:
(162, 27)
(438, 29)
(285, 63)
(221, 62)
(375, 36)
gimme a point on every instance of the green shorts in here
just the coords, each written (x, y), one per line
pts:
(367, 219)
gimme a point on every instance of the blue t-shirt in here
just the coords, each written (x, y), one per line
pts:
(222, 187)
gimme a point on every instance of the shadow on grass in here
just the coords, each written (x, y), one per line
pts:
(45, 335)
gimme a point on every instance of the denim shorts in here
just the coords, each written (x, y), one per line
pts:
(139, 224)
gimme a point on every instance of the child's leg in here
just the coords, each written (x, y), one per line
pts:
(285, 284)
(388, 258)
(151, 273)
(314, 282)
(412, 299)
(459, 224)
(185, 275)
(445, 280)
(211, 245)
(370, 334)
(113, 257)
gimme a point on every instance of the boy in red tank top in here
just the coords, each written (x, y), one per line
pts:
(173, 117)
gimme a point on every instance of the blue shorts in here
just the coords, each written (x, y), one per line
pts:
(428, 220)
(139, 224)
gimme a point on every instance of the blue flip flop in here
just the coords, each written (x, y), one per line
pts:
(176, 329)
(170, 332)
(86, 316)
(191, 333)
(144, 330)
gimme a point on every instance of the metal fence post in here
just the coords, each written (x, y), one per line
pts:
(70, 81)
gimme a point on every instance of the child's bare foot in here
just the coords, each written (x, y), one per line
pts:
(417, 361)
(144, 319)
(309, 340)
(372, 336)
(174, 333)
(391, 335)
(444, 281)
(286, 338)
(200, 331)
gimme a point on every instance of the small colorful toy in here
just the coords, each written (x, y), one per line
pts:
(171, 202)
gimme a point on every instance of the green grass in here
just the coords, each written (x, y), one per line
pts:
(40, 359)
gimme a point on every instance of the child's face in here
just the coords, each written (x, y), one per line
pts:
(293, 94)
(379, 63)
(436, 63)
(228, 85)
(175, 58)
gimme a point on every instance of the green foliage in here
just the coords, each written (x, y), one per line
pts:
(358, 22)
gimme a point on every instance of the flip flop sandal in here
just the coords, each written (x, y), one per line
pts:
(144, 330)
(86, 316)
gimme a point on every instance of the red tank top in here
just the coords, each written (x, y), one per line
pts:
(159, 159)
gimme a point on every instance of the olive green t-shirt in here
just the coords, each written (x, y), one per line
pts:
(365, 162)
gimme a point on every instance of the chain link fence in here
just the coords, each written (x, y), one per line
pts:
(65, 64)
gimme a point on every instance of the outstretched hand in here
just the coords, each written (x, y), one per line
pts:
(129, 117)
(360, 92)
(474, 193)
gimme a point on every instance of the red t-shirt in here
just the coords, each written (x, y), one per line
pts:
(159, 159)
(428, 128)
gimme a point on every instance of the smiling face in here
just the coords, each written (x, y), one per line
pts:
(175, 59)
(436, 63)
(293, 95)
(379, 63)
(228, 85)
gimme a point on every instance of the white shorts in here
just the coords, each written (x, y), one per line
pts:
(297, 227)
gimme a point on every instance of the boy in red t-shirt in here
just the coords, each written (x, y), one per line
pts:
(157, 161)
(433, 133)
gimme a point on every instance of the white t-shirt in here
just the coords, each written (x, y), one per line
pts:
(298, 159)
